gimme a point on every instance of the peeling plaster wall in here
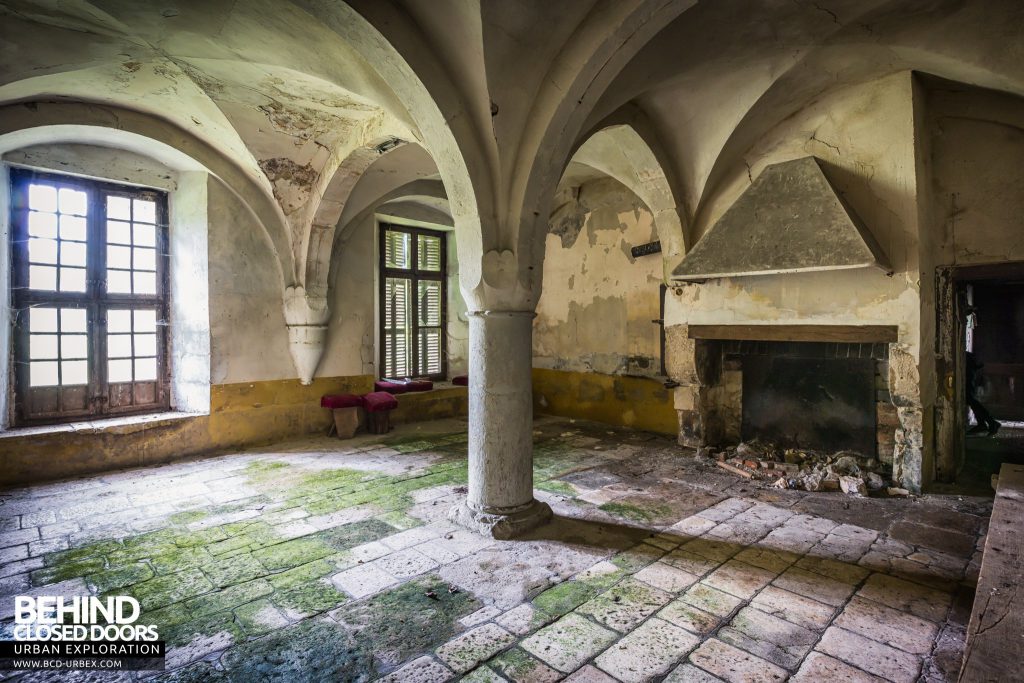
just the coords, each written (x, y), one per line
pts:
(596, 351)
(598, 301)
(865, 136)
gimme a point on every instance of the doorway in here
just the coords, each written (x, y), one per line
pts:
(980, 424)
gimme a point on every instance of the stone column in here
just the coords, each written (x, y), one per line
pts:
(500, 502)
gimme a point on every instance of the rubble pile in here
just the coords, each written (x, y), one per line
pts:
(807, 470)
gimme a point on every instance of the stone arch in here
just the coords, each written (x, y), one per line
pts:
(619, 152)
(604, 44)
(320, 239)
(23, 123)
(433, 103)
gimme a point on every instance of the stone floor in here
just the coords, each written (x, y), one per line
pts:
(322, 560)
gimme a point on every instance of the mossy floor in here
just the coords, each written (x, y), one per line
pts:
(327, 560)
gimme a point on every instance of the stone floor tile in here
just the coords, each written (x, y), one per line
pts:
(468, 649)
(666, 541)
(666, 577)
(363, 580)
(518, 666)
(648, 651)
(710, 548)
(482, 674)
(14, 585)
(690, 562)
(600, 571)
(739, 579)
(841, 571)
(367, 552)
(49, 545)
(426, 669)
(871, 656)
(737, 533)
(14, 553)
(625, 605)
(693, 619)
(796, 609)
(946, 540)
(889, 626)
(20, 566)
(569, 642)
(821, 525)
(589, 674)
(919, 600)
(857, 532)
(406, 563)
(59, 529)
(480, 616)
(815, 586)
(711, 600)
(767, 636)
(776, 561)
(818, 668)
(410, 537)
(199, 648)
(840, 548)
(519, 620)
(19, 537)
(459, 544)
(638, 556)
(688, 673)
(792, 539)
(765, 515)
(735, 665)
(727, 509)
(694, 525)
(38, 518)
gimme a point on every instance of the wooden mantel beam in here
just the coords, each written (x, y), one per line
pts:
(863, 334)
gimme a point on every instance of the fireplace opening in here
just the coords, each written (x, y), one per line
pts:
(805, 395)
(809, 396)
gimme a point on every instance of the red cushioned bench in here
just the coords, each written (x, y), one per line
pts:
(392, 387)
(461, 380)
(346, 412)
(378, 405)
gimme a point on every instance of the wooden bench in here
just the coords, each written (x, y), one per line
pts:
(995, 636)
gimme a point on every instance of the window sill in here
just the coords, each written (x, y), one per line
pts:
(127, 424)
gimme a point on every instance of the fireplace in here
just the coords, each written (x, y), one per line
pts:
(793, 389)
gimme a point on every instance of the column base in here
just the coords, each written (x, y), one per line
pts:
(502, 524)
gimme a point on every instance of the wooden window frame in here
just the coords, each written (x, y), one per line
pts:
(415, 275)
(95, 300)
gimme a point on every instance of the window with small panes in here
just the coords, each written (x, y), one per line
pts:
(90, 294)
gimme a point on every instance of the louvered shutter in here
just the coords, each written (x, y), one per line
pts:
(413, 309)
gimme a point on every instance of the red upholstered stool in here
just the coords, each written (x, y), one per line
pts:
(461, 380)
(346, 409)
(379, 405)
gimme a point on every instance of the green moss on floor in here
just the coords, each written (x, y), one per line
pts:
(412, 618)
(636, 513)
(517, 665)
(565, 597)
(315, 650)
(555, 486)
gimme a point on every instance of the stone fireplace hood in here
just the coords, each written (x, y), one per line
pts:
(790, 220)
